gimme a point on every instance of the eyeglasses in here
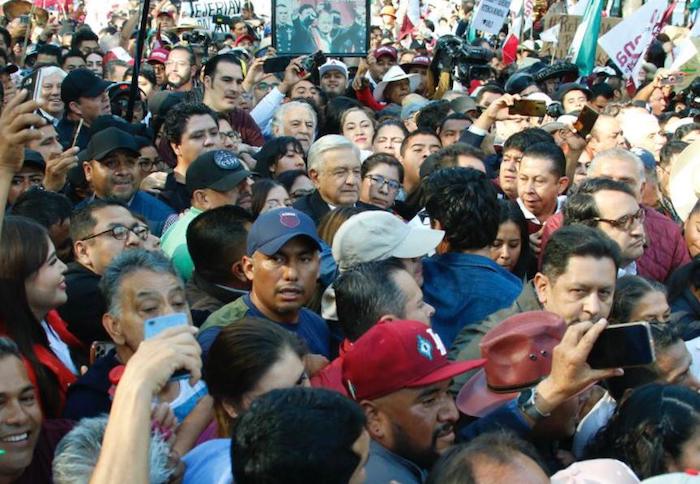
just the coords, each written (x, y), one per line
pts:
(626, 222)
(264, 86)
(148, 165)
(121, 232)
(379, 181)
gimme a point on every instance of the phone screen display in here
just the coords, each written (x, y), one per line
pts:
(529, 107)
(585, 121)
(623, 345)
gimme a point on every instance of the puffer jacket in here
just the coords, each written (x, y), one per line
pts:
(665, 249)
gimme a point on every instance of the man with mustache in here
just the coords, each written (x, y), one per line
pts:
(283, 263)
(111, 168)
(399, 374)
(180, 69)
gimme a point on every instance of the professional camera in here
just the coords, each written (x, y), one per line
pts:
(471, 62)
(196, 37)
(222, 20)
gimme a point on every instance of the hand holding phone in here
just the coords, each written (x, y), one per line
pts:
(623, 346)
(154, 326)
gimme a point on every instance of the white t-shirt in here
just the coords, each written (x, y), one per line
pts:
(59, 348)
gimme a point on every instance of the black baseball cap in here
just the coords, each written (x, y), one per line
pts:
(218, 170)
(107, 141)
(564, 89)
(82, 83)
(34, 158)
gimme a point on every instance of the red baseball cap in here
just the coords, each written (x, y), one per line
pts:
(243, 37)
(158, 56)
(395, 355)
(518, 355)
(385, 50)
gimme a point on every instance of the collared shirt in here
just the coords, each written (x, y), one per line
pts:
(531, 218)
(629, 270)
(383, 466)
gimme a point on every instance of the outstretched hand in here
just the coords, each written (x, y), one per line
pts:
(17, 123)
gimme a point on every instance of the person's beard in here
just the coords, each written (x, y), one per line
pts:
(181, 81)
(424, 458)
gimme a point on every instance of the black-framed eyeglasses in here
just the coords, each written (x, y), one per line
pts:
(379, 181)
(121, 232)
(626, 222)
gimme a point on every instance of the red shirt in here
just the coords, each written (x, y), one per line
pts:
(331, 377)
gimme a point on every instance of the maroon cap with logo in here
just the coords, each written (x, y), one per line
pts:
(385, 50)
(395, 355)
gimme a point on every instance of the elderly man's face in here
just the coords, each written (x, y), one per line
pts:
(20, 418)
(645, 132)
(143, 294)
(338, 180)
(299, 123)
(606, 134)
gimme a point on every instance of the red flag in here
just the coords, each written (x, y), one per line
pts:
(510, 49)
(410, 18)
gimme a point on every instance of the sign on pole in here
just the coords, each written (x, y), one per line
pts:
(627, 42)
(202, 11)
(490, 15)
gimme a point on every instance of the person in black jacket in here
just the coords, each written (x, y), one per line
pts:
(334, 168)
(100, 231)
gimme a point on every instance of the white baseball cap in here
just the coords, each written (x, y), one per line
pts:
(333, 65)
(377, 235)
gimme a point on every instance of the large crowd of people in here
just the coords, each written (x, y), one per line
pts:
(365, 269)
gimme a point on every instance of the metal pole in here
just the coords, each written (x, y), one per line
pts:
(140, 40)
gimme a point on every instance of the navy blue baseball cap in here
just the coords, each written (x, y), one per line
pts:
(275, 228)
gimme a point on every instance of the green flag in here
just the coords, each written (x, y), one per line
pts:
(586, 39)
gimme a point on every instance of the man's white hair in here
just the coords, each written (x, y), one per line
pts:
(53, 70)
(278, 118)
(76, 455)
(617, 154)
(330, 142)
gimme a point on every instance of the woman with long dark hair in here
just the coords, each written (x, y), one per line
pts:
(247, 359)
(511, 248)
(684, 298)
(32, 286)
(654, 431)
(279, 155)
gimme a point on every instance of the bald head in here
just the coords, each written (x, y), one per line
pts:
(606, 134)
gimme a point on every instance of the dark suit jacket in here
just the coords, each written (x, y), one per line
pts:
(313, 206)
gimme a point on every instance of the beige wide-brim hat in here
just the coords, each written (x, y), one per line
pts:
(684, 183)
(395, 74)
